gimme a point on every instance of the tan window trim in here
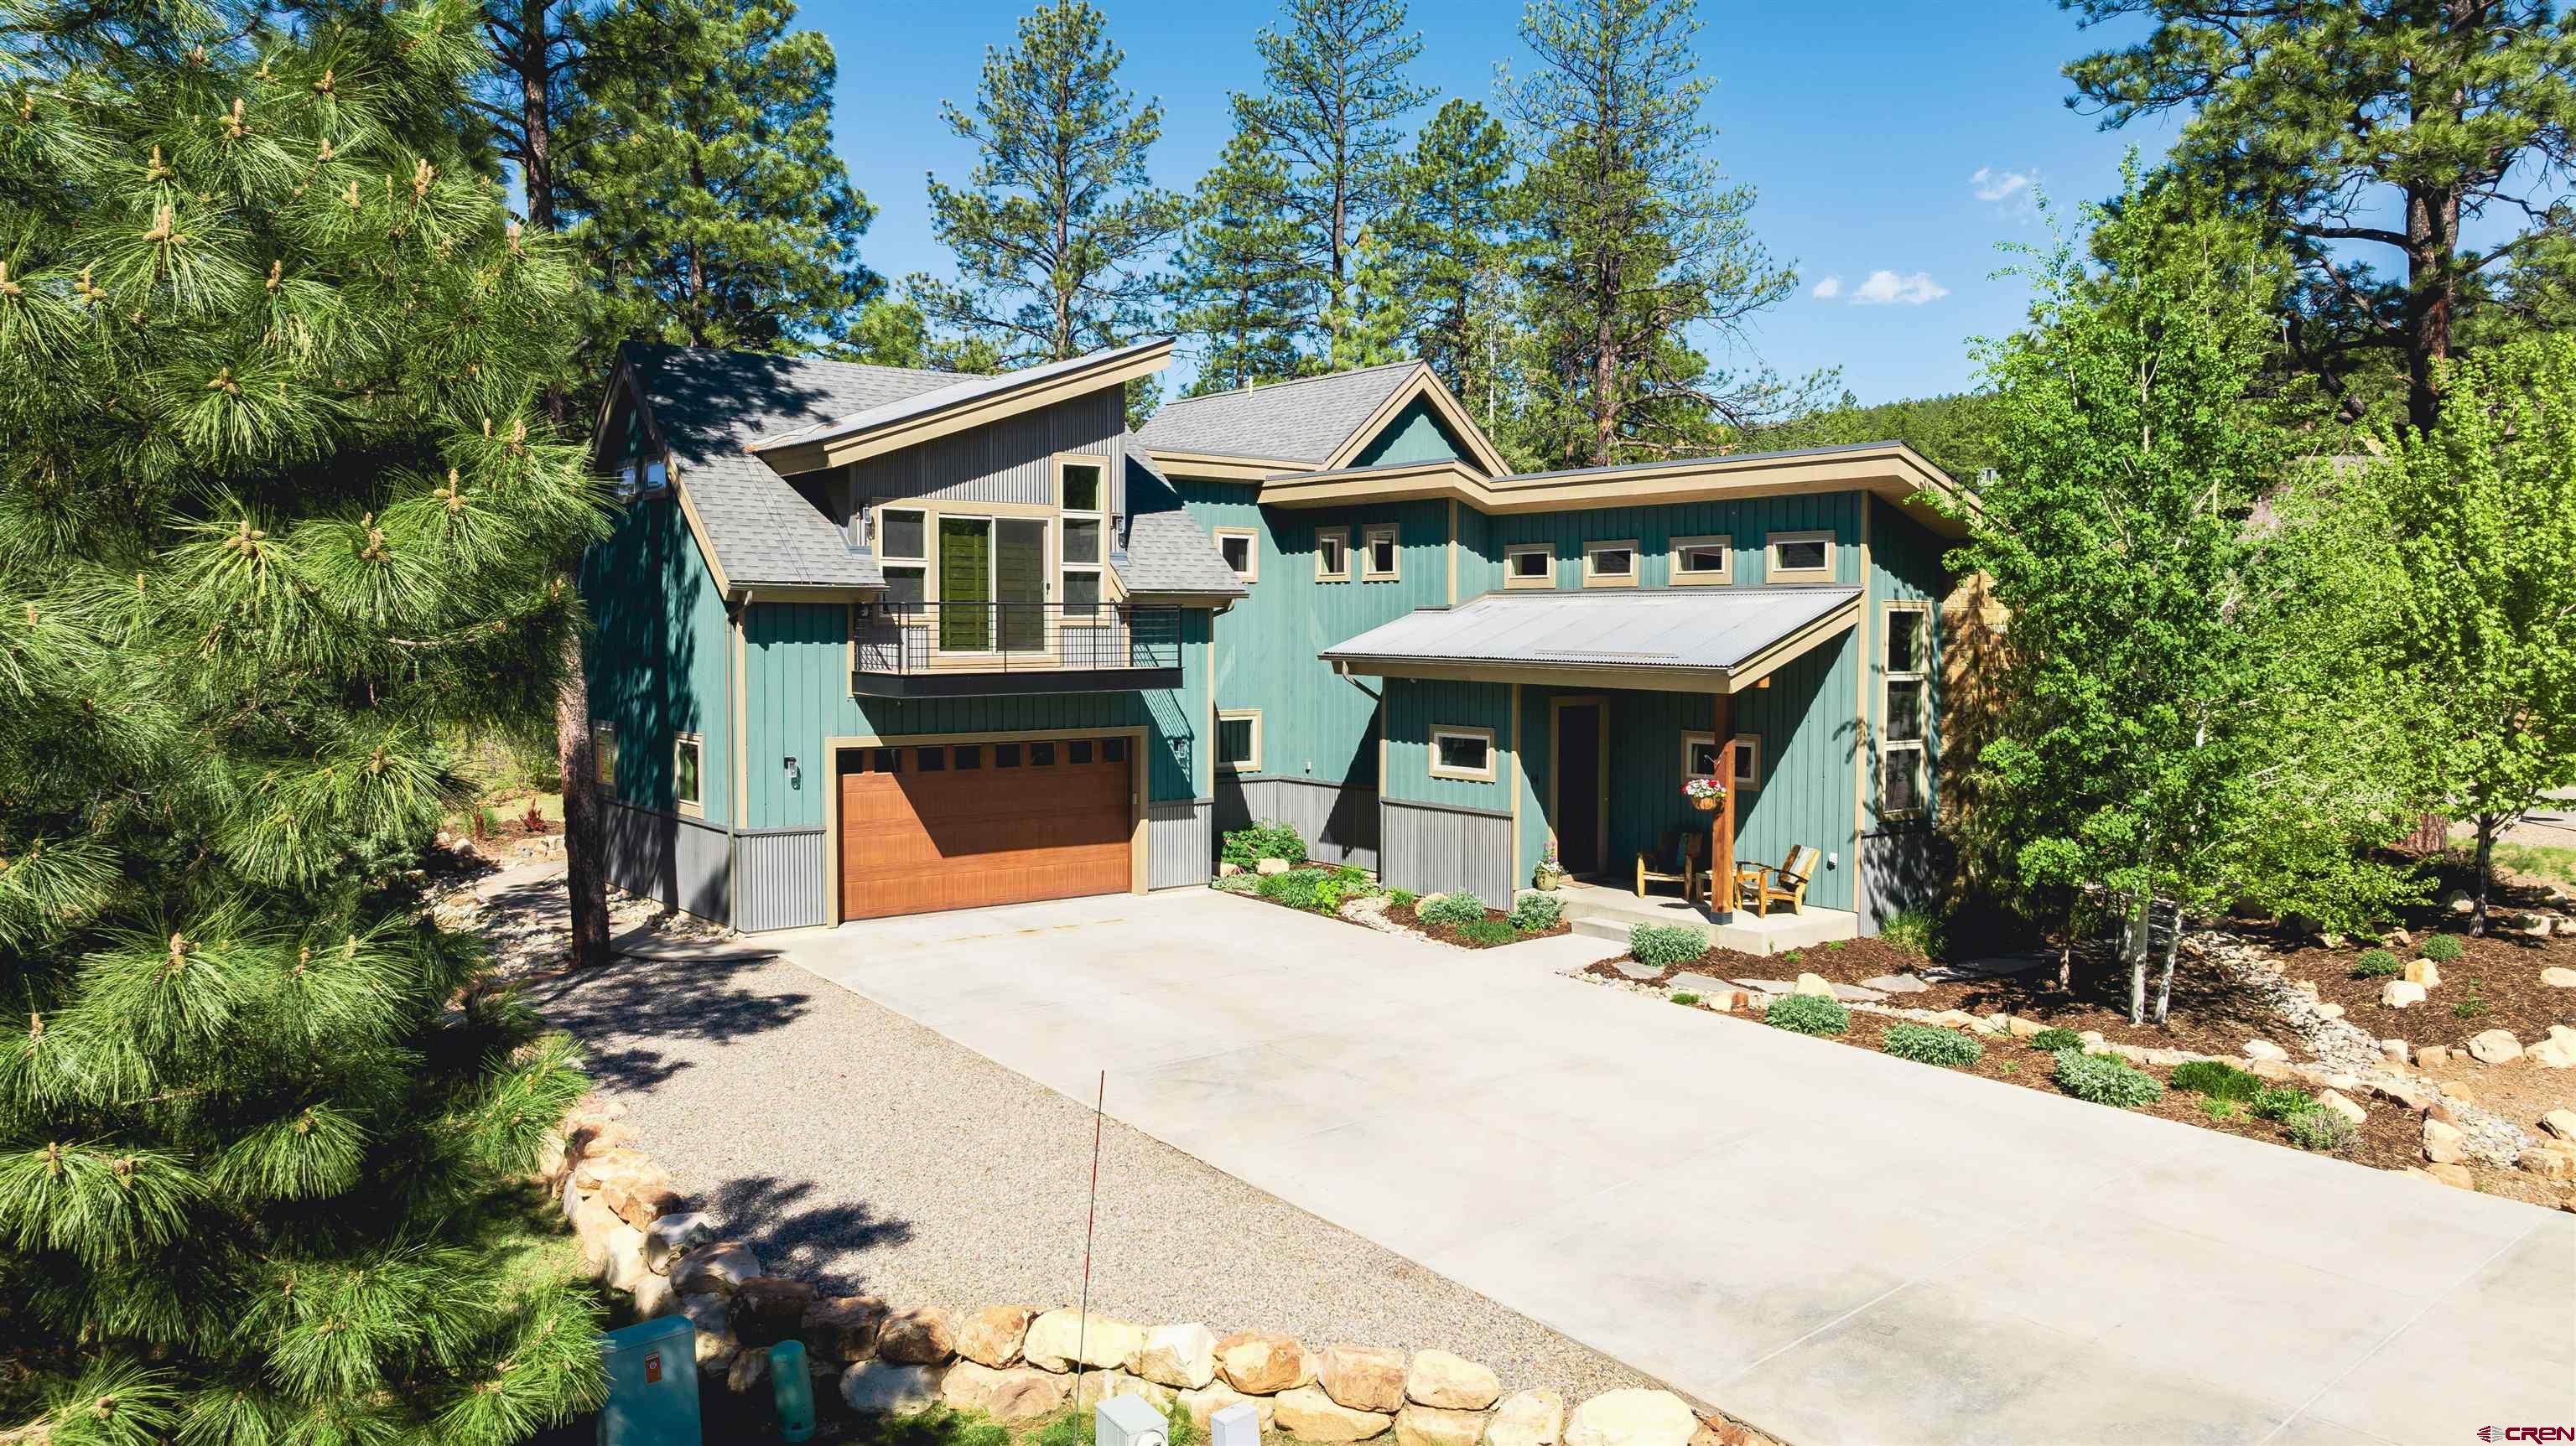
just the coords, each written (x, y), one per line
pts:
(1465, 775)
(1595, 578)
(1919, 745)
(1055, 476)
(603, 756)
(1681, 547)
(1773, 572)
(1369, 539)
(1341, 536)
(1547, 550)
(1250, 572)
(689, 807)
(1252, 763)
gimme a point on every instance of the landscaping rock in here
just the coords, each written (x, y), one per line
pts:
(1364, 1378)
(2558, 1051)
(2550, 1162)
(714, 1268)
(2444, 1144)
(592, 1223)
(2432, 1056)
(625, 1259)
(1014, 1396)
(1632, 1418)
(2399, 993)
(2021, 1028)
(2393, 1050)
(921, 1337)
(1180, 1356)
(2270, 1069)
(641, 1200)
(654, 1296)
(1432, 1426)
(2455, 1176)
(1057, 1338)
(2561, 1123)
(2495, 1046)
(844, 1327)
(1309, 1415)
(1228, 869)
(713, 1321)
(2329, 1011)
(2424, 972)
(2336, 1101)
(1814, 984)
(671, 1236)
(1527, 1418)
(1272, 866)
(991, 1336)
(748, 1370)
(2264, 1049)
(877, 1388)
(769, 1308)
(1263, 1363)
(1210, 1399)
(1099, 1386)
(2558, 978)
(1437, 1378)
(1884, 984)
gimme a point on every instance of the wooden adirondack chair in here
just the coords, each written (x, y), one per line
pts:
(1759, 886)
(1678, 862)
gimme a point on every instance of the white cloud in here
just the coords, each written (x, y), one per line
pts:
(1994, 185)
(1886, 287)
(1827, 289)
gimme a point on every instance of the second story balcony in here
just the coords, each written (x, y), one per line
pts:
(961, 649)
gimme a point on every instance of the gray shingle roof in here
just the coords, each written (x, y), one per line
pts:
(1699, 627)
(957, 389)
(1165, 549)
(1300, 421)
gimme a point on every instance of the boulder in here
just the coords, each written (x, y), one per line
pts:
(1058, 1337)
(1309, 1415)
(654, 1296)
(713, 1321)
(748, 1370)
(2424, 972)
(2329, 1011)
(2401, 1091)
(2399, 993)
(2336, 1101)
(1364, 1378)
(992, 1336)
(1527, 1418)
(2560, 1122)
(2270, 1069)
(1098, 1386)
(2550, 1162)
(592, 1223)
(2558, 978)
(2495, 1046)
(2432, 1056)
(2459, 902)
(1228, 869)
(1632, 1418)
(2020, 1028)
(844, 1327)
(622, 1162)
(1264, 1363)
(2455, 1176)
(2557, 1051)
(1814, 984)
(2444, 1144)
(625, 1259)
(1182, 1357)
(768, 1309)
(671, 1236)
(714, 1268)
(920, 1337)
(1014, 1396)
(1207, 1400)
(1272, 866)
(639, 1200)
(1432, 1426)
(2394, 1051)
(1437, 1378)
(2255, 1049)
(879, 1388)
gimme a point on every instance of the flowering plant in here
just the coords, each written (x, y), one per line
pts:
(1550, 871)
(1697, 789)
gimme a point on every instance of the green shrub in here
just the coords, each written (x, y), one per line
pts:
(2321, 1130)
(1537, 913)
(1924, 1044)
(1330, 893)
(1402, 898)
(2376, 964)
(1456, 910)
(1236, 883)
(1808, 1014)
(1297, 888)
(2280, 1102)
(1355, 882)
(2053, 1040)
(2219, 1109)
(1488, 932)
(1915, 930)
(1266, 839)
(2217, 1079)
(1684, 996)
(1665, 946)
(2471, 1003)
(2105, 1080)
(2444, 949)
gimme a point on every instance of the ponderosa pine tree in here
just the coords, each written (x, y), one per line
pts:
(1450, 239)
(1238, 275)
(279, 512)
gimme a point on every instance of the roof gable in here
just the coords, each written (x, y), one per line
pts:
(1302, 421)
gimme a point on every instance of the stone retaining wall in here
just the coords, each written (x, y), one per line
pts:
(1018, 1363)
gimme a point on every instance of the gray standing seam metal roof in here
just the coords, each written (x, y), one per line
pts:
(1301, 421)
(1699, 627)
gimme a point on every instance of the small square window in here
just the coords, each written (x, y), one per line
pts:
(1333, 554)
(1081, 594)
(1006, 755)
(1613, 562)
(1041, 755)
(969, 756)
(1700, 560)
(887, 760)
(931, 760)
(1378, 558)
(1235, 546)
(1082, 486)
(1238, 741)
(1082, 539)
(1078, 752)
(899, 533)
(1463, 753)
(1610, 564)
(1529, 564)
(1801, 557)
(1113, 750)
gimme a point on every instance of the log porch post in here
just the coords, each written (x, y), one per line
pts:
(1721, 828)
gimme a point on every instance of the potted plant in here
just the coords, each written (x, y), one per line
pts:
(1704, 793)
(1550, 872)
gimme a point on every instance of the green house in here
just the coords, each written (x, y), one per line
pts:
(870, 641)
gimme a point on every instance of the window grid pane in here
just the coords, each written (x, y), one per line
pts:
(1704, 559)
(684, 773)
(1081, 487)
(902, 535)
(1081, 539)
(1904, 710)
(1530, 564)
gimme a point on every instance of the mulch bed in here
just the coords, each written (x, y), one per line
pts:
(1448, 934)
(2500, 974)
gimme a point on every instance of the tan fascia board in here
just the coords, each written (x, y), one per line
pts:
(623, 380)
(1771, 659)
(1218, 467)
(1423, 383)
(698, 530)
(1407, 482)
(1186, 599)
(1744, 675)
(788, 459)
(789, 592)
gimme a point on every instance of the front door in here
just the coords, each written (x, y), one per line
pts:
(1578, 787)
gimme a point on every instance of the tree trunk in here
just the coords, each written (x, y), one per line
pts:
(2066, 962)
(2487, 825)
(585, 864)
(2432, 236)
(536, 114)
(2173, 945)
(2133, 951)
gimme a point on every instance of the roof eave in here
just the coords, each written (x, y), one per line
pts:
(812, 451)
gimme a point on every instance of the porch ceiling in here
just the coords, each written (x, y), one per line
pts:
(1695, 640)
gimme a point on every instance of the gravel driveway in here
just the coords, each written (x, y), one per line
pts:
(869, 1153)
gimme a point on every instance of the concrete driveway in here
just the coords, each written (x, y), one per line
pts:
(1831, 1244)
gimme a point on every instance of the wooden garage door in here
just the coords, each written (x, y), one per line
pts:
(960, 825)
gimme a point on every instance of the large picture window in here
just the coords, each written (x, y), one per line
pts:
(1905, 705)
(992, 584)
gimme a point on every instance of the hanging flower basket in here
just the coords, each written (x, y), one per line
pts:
(1704, 793)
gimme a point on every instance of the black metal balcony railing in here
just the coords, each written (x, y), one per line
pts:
(926, 641)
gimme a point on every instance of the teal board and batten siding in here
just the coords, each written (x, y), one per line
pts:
(1744, 524)
(1446, 834)
(797, 694)
(1904, 862)
(656, 665)
(1414, 434)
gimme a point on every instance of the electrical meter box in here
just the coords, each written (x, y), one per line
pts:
(1130, 1421)
(652, 1384)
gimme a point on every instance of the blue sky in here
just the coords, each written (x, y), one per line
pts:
(1883, 137)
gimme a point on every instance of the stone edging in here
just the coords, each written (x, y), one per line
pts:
(1018, 1364)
